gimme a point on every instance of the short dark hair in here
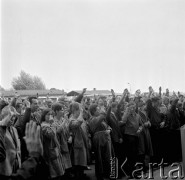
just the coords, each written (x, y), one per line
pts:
(92, 108)
(74, 107)
(18, 105)
(155, 99)
(31, 98)
(57, 107)
(44, 112)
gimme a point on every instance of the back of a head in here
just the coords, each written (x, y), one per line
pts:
(74, 107)
(92, 108)
(57, 107)
(49, 101)
(31, 98)
(3, 104)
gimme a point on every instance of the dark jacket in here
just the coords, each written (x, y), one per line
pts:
(20, 125)
(154, 115)
(113, 122)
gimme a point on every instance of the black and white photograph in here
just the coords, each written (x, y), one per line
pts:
(92, 89)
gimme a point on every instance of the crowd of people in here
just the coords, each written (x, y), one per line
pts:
(60, 140)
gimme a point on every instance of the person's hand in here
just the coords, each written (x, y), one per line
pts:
(27, 103)
(32, 138)
(120, 140)
(112, 91)
(125, 92)
(138, 131)
(162, 124)
(150, 90)
(102, 110)
(146, 124)
(66, 113)
(108, 131)
(84, 90)
(70, 140)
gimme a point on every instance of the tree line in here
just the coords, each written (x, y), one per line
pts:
(26, 81)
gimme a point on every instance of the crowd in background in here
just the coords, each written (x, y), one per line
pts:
(60, 140)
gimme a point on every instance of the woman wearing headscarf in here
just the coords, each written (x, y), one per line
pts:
(61, 125)
(77, 127)
(52, 154)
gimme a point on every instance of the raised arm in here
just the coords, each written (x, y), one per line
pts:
(80, 96)
(125, 92)
(125, 117)
(113, 95)
(34, 167)
(160, 90)
(98, 120)
(75, 123)
(150, 92)
(20, 125)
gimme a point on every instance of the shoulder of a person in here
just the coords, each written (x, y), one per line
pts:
(44, 125)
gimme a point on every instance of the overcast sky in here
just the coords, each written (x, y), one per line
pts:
(100, 44)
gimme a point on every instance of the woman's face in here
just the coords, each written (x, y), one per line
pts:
(60, 113)
(49, 116)
(5, 114)
(100, 102)
(132, 108)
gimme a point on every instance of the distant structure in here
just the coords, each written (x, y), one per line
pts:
(90, 92)
(42, 94)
